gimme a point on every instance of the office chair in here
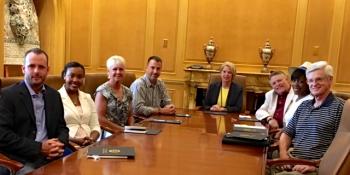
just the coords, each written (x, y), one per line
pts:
(12, 165)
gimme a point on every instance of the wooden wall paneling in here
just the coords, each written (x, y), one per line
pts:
(181, 39)
(337, 37)
(318, 30)
(172, 95)
(165, 32)
(121, 31)
(343, 71)
(299, 32)
(79, 32)
(2, 41)
(44, 10)
(176, 92)
(91, 31)
(51, 14)
(149, 35)
(58, 44)
(240, 28)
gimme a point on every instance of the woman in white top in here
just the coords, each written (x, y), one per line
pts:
(301, 91)
(79, 108)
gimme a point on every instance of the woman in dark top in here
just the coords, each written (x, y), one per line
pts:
(225, 95)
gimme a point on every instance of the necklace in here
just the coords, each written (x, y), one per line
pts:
(75, 100)
(76, 103)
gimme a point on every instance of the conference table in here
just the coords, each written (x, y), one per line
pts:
(192, 147)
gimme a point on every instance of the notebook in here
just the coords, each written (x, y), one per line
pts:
(165, 121)
(247, 118)
(182, 115)
(215, 112)
(229, 139)
(247, 135)
(111, 152)
(249, 128)
(141, 130)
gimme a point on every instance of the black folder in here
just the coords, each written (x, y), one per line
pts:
(111, 152)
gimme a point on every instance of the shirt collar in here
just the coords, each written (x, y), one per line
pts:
(285, 94)
(31, 91)
(328, 101)
(148, 82)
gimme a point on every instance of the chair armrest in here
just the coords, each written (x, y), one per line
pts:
(279, 162)
(12, 165)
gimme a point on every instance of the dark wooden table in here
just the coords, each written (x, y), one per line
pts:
(194, 147)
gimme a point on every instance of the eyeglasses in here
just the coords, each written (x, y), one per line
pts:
(316, 80)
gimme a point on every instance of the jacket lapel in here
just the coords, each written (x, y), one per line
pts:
(68, 103)
(27, 100)
(84, 103)
(289, 100)
(217, 93)
(230, 94)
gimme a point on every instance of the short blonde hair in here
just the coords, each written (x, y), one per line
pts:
(328, 69)
(230, 65)
(113, 60)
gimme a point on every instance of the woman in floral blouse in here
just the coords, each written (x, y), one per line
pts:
(113, 99)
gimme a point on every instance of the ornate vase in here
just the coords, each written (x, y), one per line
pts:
(210, 50)
(266, 54)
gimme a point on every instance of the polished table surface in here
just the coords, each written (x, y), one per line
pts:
(194, 147)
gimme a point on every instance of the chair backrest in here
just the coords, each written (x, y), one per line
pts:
(54, 81)
(9, 81)
(129, 78)
(337, 160)
(239, 79)
(342, 95)
(93, 80)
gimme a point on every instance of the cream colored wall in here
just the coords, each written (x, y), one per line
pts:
(89, 31)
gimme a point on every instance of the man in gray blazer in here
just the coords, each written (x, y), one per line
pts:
(32, 127)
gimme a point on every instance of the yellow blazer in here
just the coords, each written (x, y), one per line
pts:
(89, 121)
